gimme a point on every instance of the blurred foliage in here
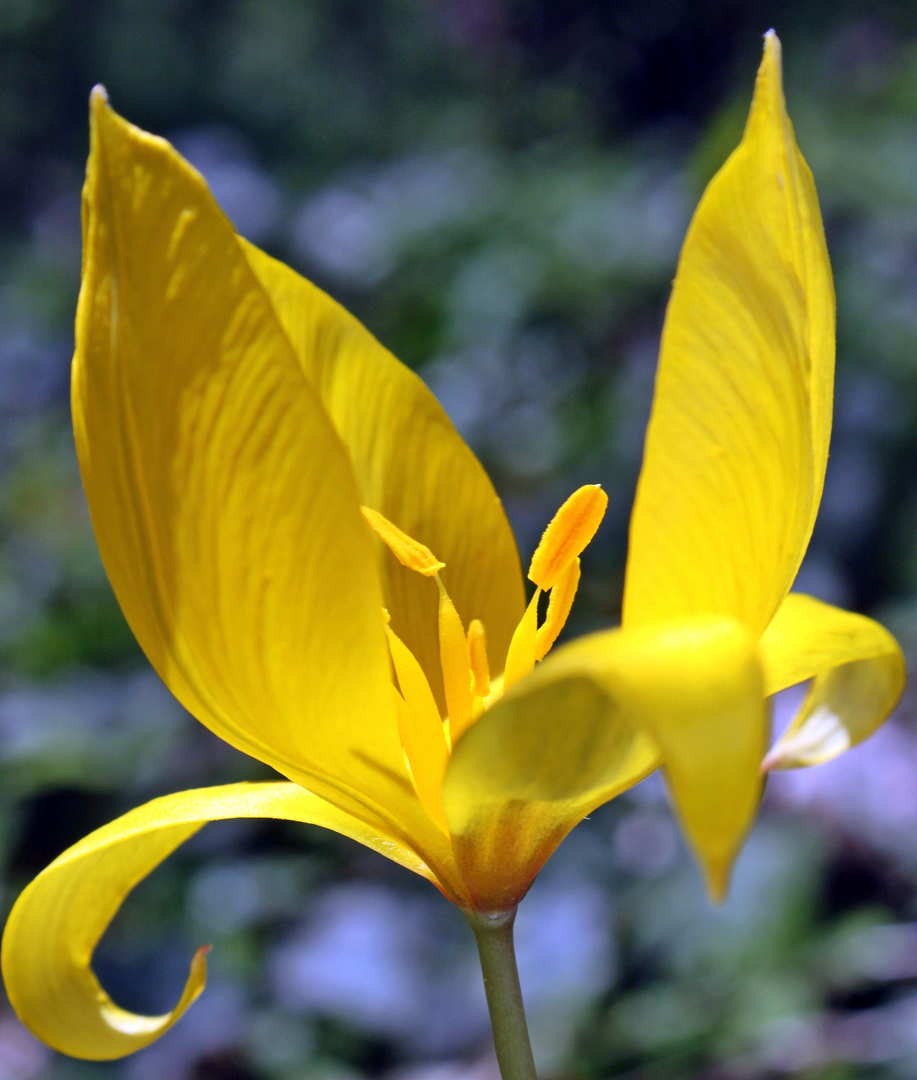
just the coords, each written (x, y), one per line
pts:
(499, 188)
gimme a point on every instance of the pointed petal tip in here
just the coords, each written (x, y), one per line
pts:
(770, 72)
(773, 51)
(100, 113)
(98, 97)
(717, 877)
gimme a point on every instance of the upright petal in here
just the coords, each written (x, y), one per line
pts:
(59, 918)
(411, 465)
(223, 501)
(857, 671)
(595, 717)
(738, 437)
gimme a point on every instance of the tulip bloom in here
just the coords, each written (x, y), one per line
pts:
(321, 572)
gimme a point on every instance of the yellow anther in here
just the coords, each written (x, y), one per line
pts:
(521, 656)
(409, 552)
(558, 609)
(453, 656)
(570, 530)
(386, 618)
(477, 658)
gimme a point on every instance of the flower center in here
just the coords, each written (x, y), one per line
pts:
(427, 737)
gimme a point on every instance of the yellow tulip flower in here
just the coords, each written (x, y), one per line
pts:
(321, 572)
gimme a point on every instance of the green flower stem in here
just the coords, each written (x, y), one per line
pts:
(494, 935)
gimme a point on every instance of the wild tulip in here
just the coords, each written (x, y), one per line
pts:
(320, 570)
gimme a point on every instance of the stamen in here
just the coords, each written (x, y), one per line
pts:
(477, 658)
(453, 656)
(520, 659)
(570, 530)
(409, 552)
(426, 763)
(414, 686)
(558, 609)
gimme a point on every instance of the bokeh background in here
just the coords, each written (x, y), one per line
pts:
(499, 189)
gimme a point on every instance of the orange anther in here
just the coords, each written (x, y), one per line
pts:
(570, 530)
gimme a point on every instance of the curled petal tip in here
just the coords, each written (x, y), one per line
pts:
(197, 978)
(778, 757)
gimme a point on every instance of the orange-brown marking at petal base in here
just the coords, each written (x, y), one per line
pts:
(570, 530)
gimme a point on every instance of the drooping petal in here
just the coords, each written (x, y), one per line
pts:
(592, 720)
(738, 438)
(59, 918)
(223, 501)
(411, 465)
(858, 675)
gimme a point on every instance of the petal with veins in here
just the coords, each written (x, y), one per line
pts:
(411, 465)
(223, 501)
(738, 437)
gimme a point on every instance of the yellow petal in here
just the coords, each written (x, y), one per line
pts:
(527, 771)
(738, 437)
(593, 719)
(58, 919)
(411, 465)
(223, 501)
(858, 675)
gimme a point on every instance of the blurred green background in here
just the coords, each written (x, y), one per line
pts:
(499, 189)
